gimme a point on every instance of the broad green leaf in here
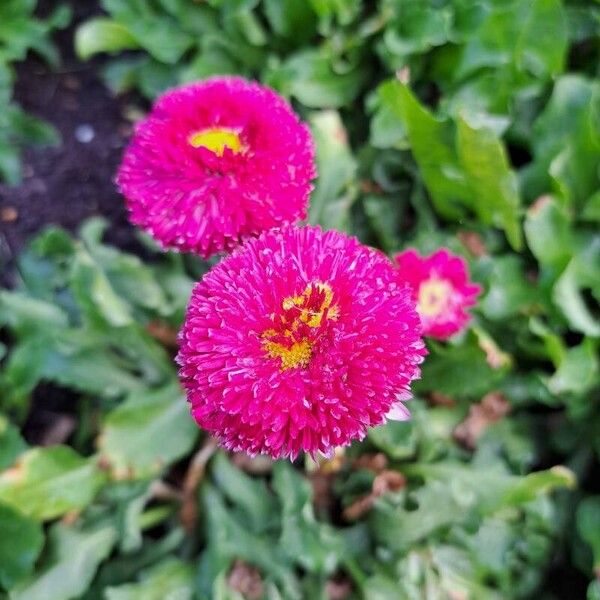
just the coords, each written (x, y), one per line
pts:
(577, 371)
(229, 539)
(444, 370)
(489, 489)
(548, 232)
(431, 142)
(252, 497)
(309, 77)
(128, 440)
(95, 295)
(131, 279)
(566, 142)
(418, 28)
(11, 443)
(24, 313)
(398, 528)
(398, 439)
(291, 19)
(21, 541)
(568, 297)
(102, 35)
(588, 524)
(48, 482)
(158, 33)
(509, 292)
(171, 579)
(302, 538)
(70, 565)
(494, 185)
(335, 188)
(542, 44)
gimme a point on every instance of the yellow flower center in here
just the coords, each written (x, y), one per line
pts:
(290, 340)
(433, 297)
(216, 139)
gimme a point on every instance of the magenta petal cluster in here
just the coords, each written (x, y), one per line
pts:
(441, 288)
(299, 341)
(217, 162)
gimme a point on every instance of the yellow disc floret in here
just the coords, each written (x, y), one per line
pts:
(216, 139)
(434, 295)
(291, 341)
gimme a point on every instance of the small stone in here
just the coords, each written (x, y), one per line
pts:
(8, 214)
(84, 134)
(71, 82)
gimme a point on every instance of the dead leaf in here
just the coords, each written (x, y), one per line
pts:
(246, 579)
(491, 409)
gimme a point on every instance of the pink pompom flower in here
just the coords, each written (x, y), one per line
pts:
(441, 288)
(216, 162)
(299, 341)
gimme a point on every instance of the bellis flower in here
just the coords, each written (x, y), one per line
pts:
(299, 341)
(441, 288)
(216, 162)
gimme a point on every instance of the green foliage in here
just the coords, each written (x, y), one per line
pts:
(473, 125)
(19, 34)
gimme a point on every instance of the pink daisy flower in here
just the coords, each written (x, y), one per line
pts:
(442, 290)
(299, 341)
(216, 162)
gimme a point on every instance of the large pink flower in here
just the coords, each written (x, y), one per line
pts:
(441, 288)
(216, 162)
(300, 340)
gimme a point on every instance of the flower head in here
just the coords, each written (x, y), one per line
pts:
(300, 340)
(216, 162)
(441, 288)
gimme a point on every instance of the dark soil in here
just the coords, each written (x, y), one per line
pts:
(66, 184)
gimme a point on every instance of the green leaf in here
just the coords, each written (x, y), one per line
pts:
(250, 495)
(21, 541)
(48, 482)
(444, 370)
(308, 75)
(493, 183)
(567, 294)
(158, 33)
(24, 313)
(335, 189)
(587, 520)
(578, 370)
(11, 443)
(229, 539)
(397, 528)
(566, 142)
(94, 293)
(291, 19)
(70, 565)
(509, 293)
(432, 146)
(542, 44)
(171, 579)
(302, 538)
(548, 233)
(102, 35)
(398, 439)
(128, 440)
(418, 28)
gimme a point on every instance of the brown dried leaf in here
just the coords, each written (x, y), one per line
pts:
(491, 409)
(438, 399)
(246, 579)
(163, 333)
(188, 514)
(386, 481)
(372, 462)
(473, 242)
